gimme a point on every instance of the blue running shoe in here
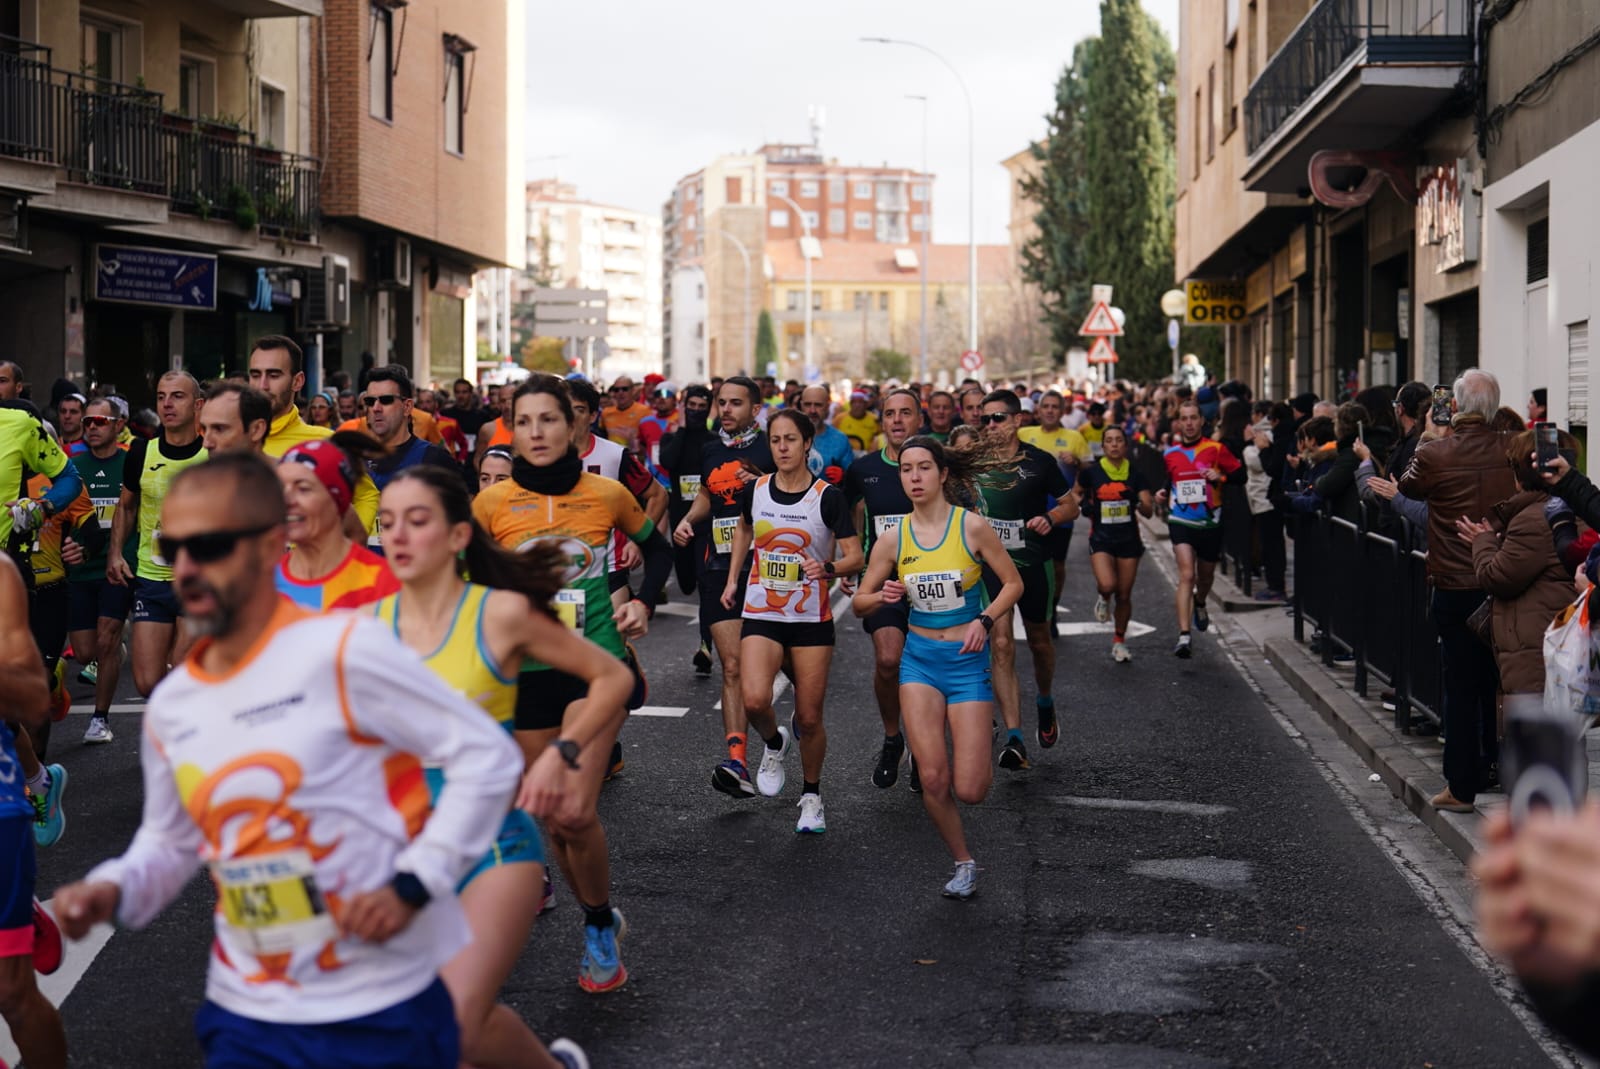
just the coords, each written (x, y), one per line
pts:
(601, 969)
(733, 779)
(50, 823)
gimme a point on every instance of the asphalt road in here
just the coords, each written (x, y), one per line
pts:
(1175, 884)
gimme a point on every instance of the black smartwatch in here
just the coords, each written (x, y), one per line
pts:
(568, 750)
(827, 566)
(986, 620)
(410, 890)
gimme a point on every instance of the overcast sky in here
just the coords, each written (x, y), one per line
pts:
(633, 96)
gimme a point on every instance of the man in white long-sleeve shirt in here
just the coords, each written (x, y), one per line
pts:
(285, 753)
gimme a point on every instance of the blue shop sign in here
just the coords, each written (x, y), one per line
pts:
(165, 278)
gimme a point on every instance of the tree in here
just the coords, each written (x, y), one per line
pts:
(885, 364)
(545, 354)
(766, 344)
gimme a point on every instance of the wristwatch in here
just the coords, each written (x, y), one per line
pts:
(986, 620)
(568, 750)
(410, 890)
(827, 566)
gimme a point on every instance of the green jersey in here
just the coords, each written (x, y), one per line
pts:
(149, 468)
(1015, 494)
(103, 480)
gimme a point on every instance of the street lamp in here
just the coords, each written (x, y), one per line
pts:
(805, 254)
(749, 361)
(972, 171)
(927, 225)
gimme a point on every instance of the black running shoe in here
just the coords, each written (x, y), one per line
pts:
(888, 770)
(1014, 758)
(702, 660)
(1202, 619)
(915, 780)
(1049, 730)
(615, 765)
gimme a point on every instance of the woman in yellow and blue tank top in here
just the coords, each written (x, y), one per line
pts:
(475, 635)
(935, 565)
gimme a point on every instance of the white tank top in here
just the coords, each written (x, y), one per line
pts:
(604, 458)
(786, 536)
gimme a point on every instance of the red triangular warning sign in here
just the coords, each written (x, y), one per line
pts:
(1100, 323)
(1101, 351)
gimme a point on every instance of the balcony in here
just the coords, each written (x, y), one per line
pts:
(216, 172)
(1355, 75)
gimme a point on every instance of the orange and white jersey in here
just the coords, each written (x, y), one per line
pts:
(297, 778)
(784, 537)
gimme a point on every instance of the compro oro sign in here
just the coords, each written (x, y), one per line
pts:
(1214, 302)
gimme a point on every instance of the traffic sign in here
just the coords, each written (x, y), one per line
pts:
(1101, 323)
(972, 360)
(1101, 352)
(1172, 334)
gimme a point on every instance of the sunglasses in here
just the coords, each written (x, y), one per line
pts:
(621, 389)
(997, 417)
(96, 421)
(209, 547)
(385, 400)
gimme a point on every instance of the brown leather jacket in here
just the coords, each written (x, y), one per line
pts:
(1517, 564)
(1466, 474)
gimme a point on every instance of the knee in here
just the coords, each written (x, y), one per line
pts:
(887, 667)
(572, 822)
(935, 780)
(810, 721)
(752, 697)
(971, 792)
(16, 992)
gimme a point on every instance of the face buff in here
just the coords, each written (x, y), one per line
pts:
(740, 440)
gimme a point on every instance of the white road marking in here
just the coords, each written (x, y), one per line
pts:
(673, 711)
(1156, 805)
(1086, 627)
(75, 962)
(678, 608)
(119, 707)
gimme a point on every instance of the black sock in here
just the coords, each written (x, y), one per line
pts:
(101, 714)
(598, 916)
(1182, 633)
(811, 788)
(898, 738)
(776, 742)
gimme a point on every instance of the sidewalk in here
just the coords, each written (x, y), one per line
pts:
(1411, 765)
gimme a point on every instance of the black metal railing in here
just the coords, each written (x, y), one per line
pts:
(108, 133)
(1392, 31)
(26, 94)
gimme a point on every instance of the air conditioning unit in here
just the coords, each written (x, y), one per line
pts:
(391, 262)
(327, 301)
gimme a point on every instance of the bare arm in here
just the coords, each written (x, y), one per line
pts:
(117, 570)
(699, 509)
(654, 501)
(24, 691)
(742, 537)
(870, 596)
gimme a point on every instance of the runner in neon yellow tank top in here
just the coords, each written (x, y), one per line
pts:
(474, 635)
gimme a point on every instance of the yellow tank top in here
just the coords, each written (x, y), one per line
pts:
(462, 659)
(944, 582)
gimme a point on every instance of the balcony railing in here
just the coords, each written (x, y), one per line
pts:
(1392, 31)
(215, 172)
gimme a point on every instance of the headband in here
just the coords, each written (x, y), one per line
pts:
(331, 467)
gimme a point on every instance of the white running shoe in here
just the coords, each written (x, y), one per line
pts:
(812, 820)
(569, 1054)
(770, 776)
(1120, 652)
(1102, 610)
(964, 884)
(99, 730)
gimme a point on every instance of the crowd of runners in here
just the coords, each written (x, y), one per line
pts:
(387, 662)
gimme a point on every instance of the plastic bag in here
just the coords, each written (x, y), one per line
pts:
(1570, 660)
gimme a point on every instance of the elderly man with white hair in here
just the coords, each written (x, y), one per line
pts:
(1462, 475)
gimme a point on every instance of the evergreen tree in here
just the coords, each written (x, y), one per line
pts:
(766, 344)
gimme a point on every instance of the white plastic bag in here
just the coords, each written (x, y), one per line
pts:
(1570, 660)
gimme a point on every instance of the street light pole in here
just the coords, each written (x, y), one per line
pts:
(749, 357)
(805, 229)
(972, 172)
(927, 225)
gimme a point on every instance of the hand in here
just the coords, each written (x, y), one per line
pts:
(1162, 497)
(71, 552)
(975, 638)
(893, 591)
(27, 515)
(1505, 925)
(629, 556)
(683, 534)
(632, 620)
(813, 570)
(1360, 449)
(1558, 858)
(729, 593)
(1263, 441)
(1213, 475)
(848, 584)
(377, 916)
(1554, 471)
(1384, 488)
(81, 906)
(544, 785)
(1293, 460)
(1039, 525)
(1468, 530)
(117, 571)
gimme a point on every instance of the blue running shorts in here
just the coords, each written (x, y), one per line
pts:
(518, 843)
(961, 677)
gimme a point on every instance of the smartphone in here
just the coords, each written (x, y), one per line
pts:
(1440, 415)
(1544, 443)
(1361, 432)
(1545, 757)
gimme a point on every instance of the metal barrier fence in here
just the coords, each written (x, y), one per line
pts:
(1365, 591)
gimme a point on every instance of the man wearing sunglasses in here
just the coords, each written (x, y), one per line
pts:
(157, 639)
(388, 402)
(622, 421)
(332, 923)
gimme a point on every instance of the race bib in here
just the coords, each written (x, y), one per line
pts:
(688, 487)
(934, 591)
(1096, 450)
(722, 533)
(781, 572)
(571, 605)
(885, 525)
(272, 903)
(1116, 512)
(104, 509)
(1008, 531)
(1189, 491)
(375, 540)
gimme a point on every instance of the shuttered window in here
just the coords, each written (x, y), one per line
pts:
(1538, 250)
(1578, 374)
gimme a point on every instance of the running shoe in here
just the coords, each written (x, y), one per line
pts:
(46, 941)
(732, 779)
(1049, 730)
(1120, 652)
(98, 730)
(548, 902)
(888, 770)
(601, 969)
(1202, 619)
(916, 780)
(702, 660)
(964, 884)
(1102, 610)
(1185, 646)
(1014, 757)
(770, 774)
(90, 673)
(49, 822)
(60, 700)
(569, 1054)
(1272, 595)
(616, 764)
(812, 821)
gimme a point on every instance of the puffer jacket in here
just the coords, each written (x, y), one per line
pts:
(1465, 474)
(1517, 564)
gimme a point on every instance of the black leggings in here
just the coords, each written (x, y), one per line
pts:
(1274, 555)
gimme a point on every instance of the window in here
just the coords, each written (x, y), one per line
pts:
(817, 303)
(813, 220)
(863, 300)
(919, 223)
(1230, 111)
(455, 102)
(380, 64)
(733, 190)
(883, 302)
(1211, 112)
(778, 219)
(836, 221)
(272, 123)
(864, 190)
(792, 301)
(1538, 250)
(836, 189)
(780, 188)
(197, 80)
(808, 188)
(1250, 43)
(1196, 141)
(102, 49)
(863, 220)
(919, 192)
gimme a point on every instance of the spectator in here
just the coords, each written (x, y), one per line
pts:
(1507, 421)
(1464, 474)
(1538, 405)
(1191, 372)
(1312, 460)
(1264, 514)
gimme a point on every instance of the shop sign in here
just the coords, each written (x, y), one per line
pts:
(161, 278)
(1215, 302)
(1448, 215)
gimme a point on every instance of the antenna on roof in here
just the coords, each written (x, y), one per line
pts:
(818, 115)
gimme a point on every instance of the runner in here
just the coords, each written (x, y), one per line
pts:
(158, 639)
(1071, 451)
(69, 423)
(24, 693)
(99, 608)
(857, 422)
(1016, 501)
(323, 569)
(1110, 491)
(797, 524)
(551, 498)
(286, 752)
(390, 406)
(496, 467)
(663, 420)
(873, 488)
(476, 635)
(830, 449)
(1196, 466)
(680, 461)
(235, 416)
(934, 561)
(727, 467)
(941, 416)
